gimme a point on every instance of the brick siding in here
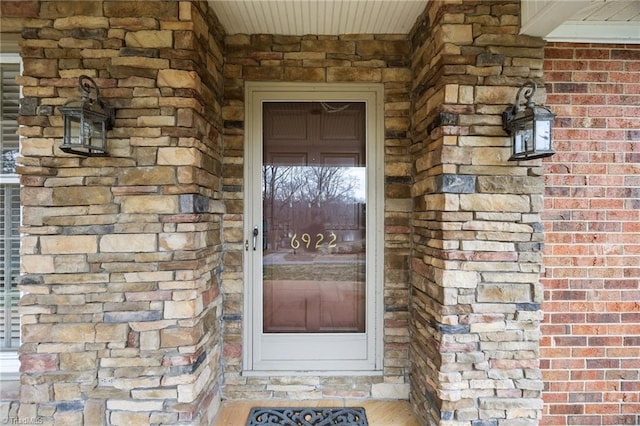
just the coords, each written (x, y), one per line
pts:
(590, 351)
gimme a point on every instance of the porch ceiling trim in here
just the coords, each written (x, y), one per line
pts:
(582, 21)
(601, 32)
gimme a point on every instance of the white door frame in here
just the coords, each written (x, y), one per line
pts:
(256, 93)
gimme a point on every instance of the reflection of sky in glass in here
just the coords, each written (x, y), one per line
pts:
(359, 191)
(543, 135)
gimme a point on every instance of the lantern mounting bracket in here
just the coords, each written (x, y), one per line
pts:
(528, 90)
(87, 84)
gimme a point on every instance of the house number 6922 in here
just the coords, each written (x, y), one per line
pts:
(313, 241)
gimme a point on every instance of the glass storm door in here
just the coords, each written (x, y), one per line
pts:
(311, 295)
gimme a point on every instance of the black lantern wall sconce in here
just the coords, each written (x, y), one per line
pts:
(530, 126)
(86, 121)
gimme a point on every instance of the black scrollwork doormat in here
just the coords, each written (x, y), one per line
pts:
(307, 416)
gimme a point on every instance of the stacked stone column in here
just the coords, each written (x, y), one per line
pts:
(121, 255)
(475, 302)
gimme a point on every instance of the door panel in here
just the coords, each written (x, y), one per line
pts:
(313, 307)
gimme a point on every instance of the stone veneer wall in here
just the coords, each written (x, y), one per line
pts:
(477, 233)
(121, 255)
(320, 59)
(590, 351)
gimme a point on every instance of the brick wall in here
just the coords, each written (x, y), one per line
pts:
(591, 346)
(475, 302)
(332, 59)
(121, 255)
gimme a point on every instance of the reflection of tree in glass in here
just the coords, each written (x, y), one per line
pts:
(279, 184)
(327, 184)
(304, 198)
(310, 184)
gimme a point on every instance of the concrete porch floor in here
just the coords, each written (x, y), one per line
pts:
(9, 397)
(379, 412)
(236, 412)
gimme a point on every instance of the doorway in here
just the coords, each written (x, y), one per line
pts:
(314, 243)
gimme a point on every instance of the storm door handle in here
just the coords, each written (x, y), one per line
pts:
(255, 237)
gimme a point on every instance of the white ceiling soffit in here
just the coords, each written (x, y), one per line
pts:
(582, 21)
(322, 17)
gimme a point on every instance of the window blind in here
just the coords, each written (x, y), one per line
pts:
(9, 265)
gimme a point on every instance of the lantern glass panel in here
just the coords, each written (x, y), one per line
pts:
(523, 138)
(543, 135)
(71, 129)
(92, 134)
(84, 133)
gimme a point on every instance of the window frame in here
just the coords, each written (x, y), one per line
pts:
(9, 361)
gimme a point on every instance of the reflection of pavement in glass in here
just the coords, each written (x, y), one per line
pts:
(308, 306)
(282, 258)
